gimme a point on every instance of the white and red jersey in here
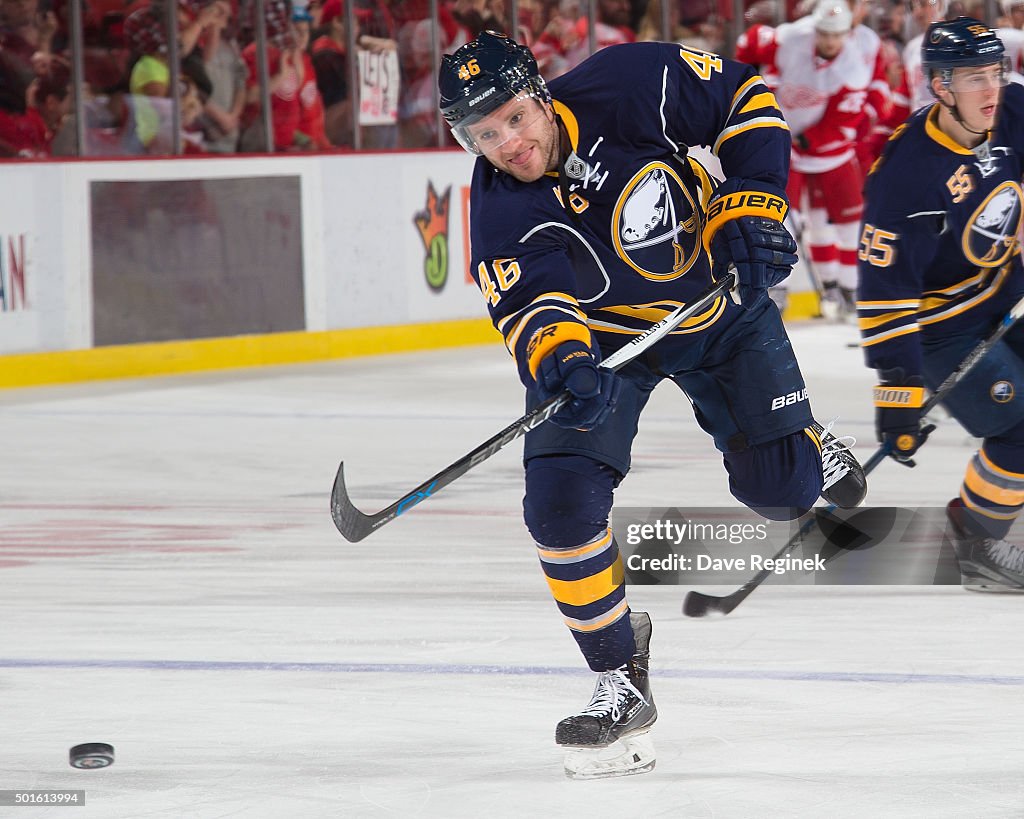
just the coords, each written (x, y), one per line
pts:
(756, 45)
(825, 102)
(1013, 42)
(920, 95)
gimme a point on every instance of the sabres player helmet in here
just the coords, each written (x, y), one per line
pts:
(483, 75)
(961, 43)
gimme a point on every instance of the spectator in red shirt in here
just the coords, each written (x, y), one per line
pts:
(311, 118)
(291, 77)
(29, 133)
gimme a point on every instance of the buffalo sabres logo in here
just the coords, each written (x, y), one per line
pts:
(655, 226)
(991, 233)
(1002, 392)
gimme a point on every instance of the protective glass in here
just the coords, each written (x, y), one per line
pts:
(981, 78)
(484, 133)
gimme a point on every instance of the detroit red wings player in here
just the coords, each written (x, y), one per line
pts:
(829, 79)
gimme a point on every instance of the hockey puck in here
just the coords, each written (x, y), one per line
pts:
(92, 755)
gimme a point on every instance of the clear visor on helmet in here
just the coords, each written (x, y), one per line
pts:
(980, 77)
(484, 133)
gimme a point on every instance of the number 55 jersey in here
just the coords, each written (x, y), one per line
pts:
(939, 249)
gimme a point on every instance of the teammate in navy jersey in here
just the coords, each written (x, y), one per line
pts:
(589, 223)
(939, 266)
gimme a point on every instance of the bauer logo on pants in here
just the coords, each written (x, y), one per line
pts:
(786, 400)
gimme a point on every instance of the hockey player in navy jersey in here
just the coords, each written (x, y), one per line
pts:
(939, 266)
(589, 223)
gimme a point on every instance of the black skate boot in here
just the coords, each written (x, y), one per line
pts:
(845, 483)
(607, 735)
(986, 564)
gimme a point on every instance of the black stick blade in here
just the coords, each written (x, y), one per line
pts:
(352, 523)
(697, 604)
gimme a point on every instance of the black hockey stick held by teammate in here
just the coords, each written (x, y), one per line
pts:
(355, 525)
(698, 604)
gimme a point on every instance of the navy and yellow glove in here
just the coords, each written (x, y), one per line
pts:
(744, 229)
(572, 366)
(899, 423)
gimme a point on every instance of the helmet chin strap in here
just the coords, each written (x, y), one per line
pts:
(955, 113)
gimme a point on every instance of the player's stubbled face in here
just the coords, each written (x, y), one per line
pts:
(520, 138)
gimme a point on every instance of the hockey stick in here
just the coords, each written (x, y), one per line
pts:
(811, 268)
(355, 525)
(698, 604)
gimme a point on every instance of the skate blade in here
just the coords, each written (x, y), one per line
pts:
(624, 757)
(986, 586)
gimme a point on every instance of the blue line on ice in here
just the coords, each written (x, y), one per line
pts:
(894, 678)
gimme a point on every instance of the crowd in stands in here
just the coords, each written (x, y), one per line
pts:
(333, 89)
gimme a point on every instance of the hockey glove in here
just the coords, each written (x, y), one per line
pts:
(744, 229)
(572, 366)
(898, 420)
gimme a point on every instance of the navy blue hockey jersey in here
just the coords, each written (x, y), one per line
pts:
(939, 249)
(632, 251)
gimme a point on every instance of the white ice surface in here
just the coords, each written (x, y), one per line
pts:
(171, 583)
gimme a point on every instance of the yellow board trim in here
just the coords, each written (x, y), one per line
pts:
(239, 352)
(177, 357)
(803, 305)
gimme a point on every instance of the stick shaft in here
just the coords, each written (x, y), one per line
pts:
(697, 604)
(354, 525)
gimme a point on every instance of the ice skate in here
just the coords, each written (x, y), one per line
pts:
(844, 482)
(607, 738)
(986, 564)
(830, 302)
(848, 310)
(780, 295)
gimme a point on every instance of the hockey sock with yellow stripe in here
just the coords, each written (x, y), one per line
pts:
(993, 488)
(588, 584)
